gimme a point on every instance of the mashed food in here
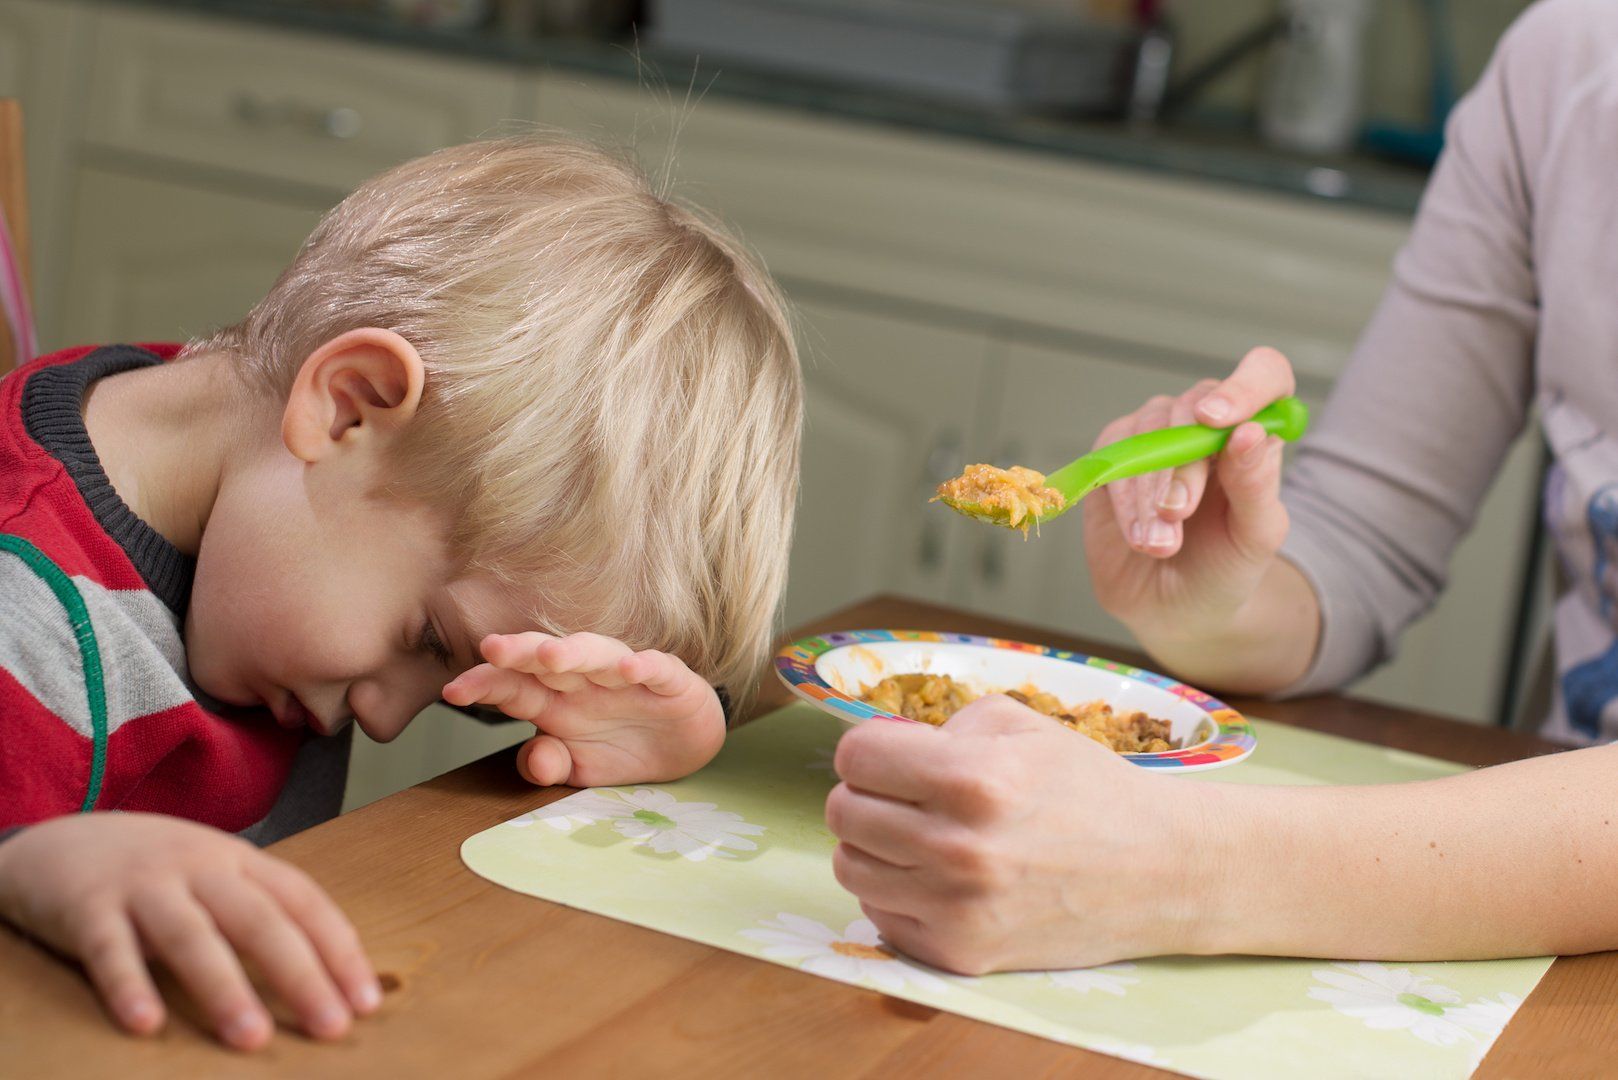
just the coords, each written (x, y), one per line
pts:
(932, 699)
(1017, 492)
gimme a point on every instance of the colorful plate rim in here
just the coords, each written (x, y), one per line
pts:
(795, 664)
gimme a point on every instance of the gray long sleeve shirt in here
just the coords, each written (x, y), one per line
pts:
(1505, 296)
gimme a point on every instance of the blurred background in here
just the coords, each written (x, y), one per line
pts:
(1002, 224)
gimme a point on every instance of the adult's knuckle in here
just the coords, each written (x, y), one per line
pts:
(980, 795)
(837, 809)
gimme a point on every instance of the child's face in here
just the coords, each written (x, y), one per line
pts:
(321, 601)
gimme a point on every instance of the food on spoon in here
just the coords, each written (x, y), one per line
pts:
(932, 699)
(1021, 494)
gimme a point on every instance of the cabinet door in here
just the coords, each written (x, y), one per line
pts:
(1048, 406)
(155, 261)
(891, 406)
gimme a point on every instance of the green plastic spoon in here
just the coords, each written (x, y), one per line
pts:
(1166, 448)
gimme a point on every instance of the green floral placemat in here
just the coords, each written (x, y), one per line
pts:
(738, 856)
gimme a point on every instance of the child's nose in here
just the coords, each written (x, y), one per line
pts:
(380, 708)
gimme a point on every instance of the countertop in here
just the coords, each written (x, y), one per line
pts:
(1195, 148)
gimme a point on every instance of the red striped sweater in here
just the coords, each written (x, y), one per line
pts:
(96, 708)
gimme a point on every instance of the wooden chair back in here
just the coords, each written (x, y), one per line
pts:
(16, 271)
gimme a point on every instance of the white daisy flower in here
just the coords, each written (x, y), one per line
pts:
(857, 955)
(1387, 999)
(653, 819)
(1488, 1017)
(564, 815)
(1108, 978)
(694, 830)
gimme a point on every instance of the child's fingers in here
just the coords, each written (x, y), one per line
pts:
(565, 664)
(519, 696)
(662, 674)
(107, 946)
(330, 931)
(180, 933)
(545, 761)
(260, 930)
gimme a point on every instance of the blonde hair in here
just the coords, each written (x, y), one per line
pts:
(613, 400)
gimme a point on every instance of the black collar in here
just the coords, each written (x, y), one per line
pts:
(53, 413)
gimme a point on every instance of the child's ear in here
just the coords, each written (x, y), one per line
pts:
(360, 386)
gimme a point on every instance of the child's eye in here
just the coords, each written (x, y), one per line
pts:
(434, 645)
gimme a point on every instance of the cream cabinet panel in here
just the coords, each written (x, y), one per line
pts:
(157, 261)
(1198, 270)
(305, 109)
(1048, 406)
(39, 40)
(438, 739)
(891, 405)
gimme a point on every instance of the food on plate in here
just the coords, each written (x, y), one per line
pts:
(1021, 494)
(932, 699)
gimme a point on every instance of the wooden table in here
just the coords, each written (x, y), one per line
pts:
(488, 982)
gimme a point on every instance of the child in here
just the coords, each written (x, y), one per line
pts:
(512, 429)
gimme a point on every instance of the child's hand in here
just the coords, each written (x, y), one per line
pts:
(1005, 840)
(607, 714)
(114, 890)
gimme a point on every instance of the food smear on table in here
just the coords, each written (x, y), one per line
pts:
(1018, 494)
(933, 699)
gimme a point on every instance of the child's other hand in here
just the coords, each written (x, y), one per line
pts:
(1006, 841)
(607, 714)
(115, 890)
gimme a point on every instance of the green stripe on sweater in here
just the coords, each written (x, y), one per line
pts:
(89, 652)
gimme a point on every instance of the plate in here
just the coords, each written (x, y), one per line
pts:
(829, 671)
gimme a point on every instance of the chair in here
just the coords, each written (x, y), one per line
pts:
(17, 337)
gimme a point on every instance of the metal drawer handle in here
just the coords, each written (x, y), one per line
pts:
(339, 122)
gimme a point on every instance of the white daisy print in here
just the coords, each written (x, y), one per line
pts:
(1488, 1017)
(1387, 999)
(693, 830)
(653, 819)
(857, 955)
(1108, 978)
(564, 815)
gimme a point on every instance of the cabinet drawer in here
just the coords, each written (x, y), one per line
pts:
(282, 105)
(1099, 254)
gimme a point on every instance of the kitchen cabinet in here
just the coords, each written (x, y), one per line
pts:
(159, 260)
(891, 406)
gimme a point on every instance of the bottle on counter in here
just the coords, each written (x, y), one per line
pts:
(1311, 99)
